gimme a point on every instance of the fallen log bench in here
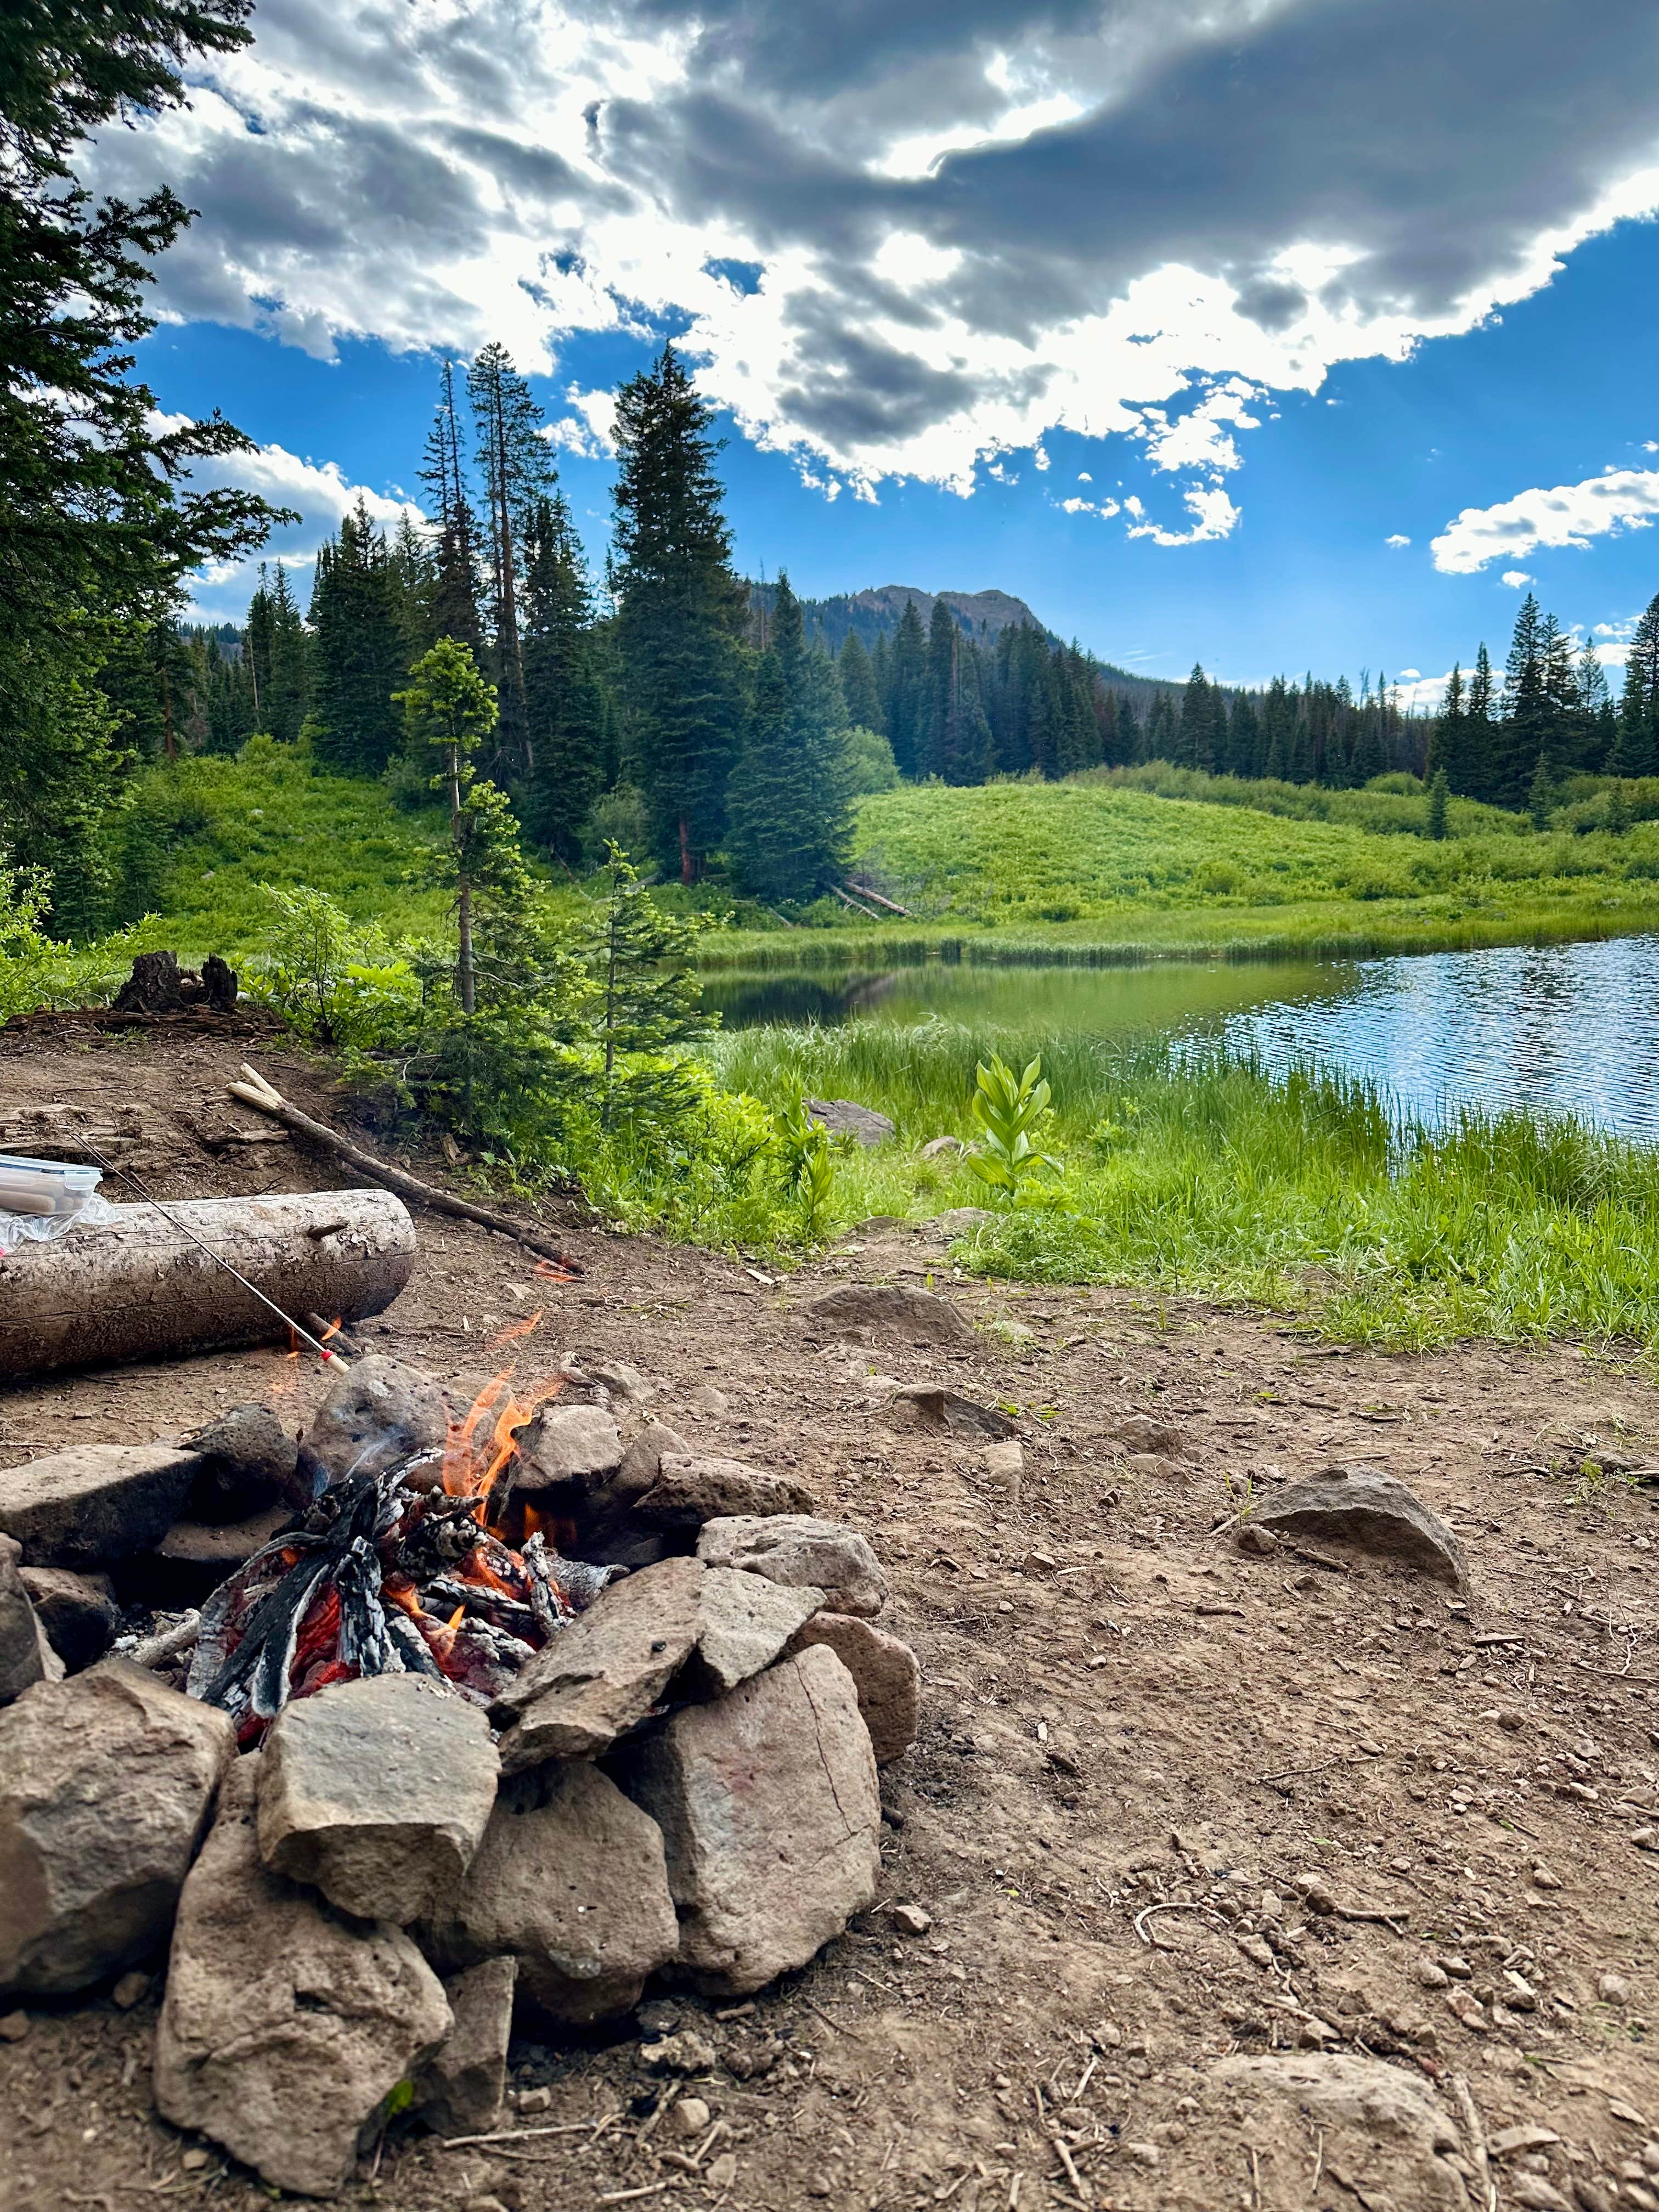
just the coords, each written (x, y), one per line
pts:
(136, 1287)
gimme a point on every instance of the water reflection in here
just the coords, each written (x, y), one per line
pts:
(1573, 1028)
(1569, 1027)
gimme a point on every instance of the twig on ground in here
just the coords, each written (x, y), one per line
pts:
(1468, 2112)
(518, 2135)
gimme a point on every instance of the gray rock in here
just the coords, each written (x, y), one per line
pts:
(797, 1549)
(745, 1622)
(885, 1676)
(94, 1502)
(106, 1783)
(1384, 2125)
(564, 1443)
(224, 1545)
(961, 1220)
(379, 1411)
(460, 2092)
(940, 1148)
(601, 1675)
(845, 1117)
(78, 1612)
(1140, 1432)
(770, 1818)
(929, 1404)
(569, 1880)
(1373, 1511)
(917, 1315)
(624, 1381)
(378, 1793)
(248, 1460)
(22, 1639)
(641, 1462)
(285, 2024)
(689, 1490)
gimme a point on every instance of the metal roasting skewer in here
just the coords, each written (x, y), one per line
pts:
(328, 1358)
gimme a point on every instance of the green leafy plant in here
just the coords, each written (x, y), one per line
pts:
(1007, 1109)
(326, 977)
(809, 1169)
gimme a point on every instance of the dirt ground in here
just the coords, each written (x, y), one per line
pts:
(1122, 1711)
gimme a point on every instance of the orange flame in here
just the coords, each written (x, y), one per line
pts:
(442, 1639)
(514, 1329)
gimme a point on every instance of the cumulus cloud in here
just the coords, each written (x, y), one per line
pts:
(1567, 514)
(318, 492)
(1396, 540)
(907, 241)
(1515, 577)
(1214, 516)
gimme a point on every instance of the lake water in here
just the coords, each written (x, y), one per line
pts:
(1568, 1027)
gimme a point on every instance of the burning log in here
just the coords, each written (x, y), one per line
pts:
(137, 1286)
(398, 1568)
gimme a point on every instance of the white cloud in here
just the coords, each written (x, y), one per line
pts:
(971, 223)
(1567, 514)
(1396, 540)
(1104, 507)
(318, 491)
(1515, 577)
(590, 429)
(1217, 517)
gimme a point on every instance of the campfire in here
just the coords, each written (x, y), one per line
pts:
(428, 1565)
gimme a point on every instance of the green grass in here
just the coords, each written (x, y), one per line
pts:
(1199, 1175)
(1092, 872)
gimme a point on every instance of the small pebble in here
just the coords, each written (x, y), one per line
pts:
(910, 1919)
(130, 1990)
(691, 2116)
(1542, 1878)
(1431, 1975)
(723, 2171)
(194, 2161)
(535, 2101)
(486, 2204)
(1613, 1989)
(14, 2027)
(1261, 1541)
(1369, 1746)
(1143, 2153)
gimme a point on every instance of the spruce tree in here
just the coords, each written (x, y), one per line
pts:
(256, 645)
(1244, 737)
(680, 612)
(1479, 766)
(648, 997)
(360, 655)
(454, 603)
(1594, 710)
(1541, 794)
(789, 803)
(1194, 743)
(858, 683)
(449, 709)
(907, 693)
(288, 687)
(1445, 755)
(564, 702)
(516, 465)
(1639, 707)
(1438, 790)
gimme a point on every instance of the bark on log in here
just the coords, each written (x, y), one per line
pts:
(136, 1288)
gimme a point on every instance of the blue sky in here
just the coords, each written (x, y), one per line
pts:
(1055, 261)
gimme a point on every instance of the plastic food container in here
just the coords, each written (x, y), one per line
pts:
(41, 1199)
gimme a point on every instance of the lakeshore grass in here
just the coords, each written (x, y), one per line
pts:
(1192, 1173)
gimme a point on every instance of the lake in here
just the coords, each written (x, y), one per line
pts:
(1568, 1028)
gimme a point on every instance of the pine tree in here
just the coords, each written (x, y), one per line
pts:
(1445, 755)
(680, 611)
(1639, 707)
(1541, 794)
(454, 603)
(1438, 791)
(1193, 745)
(647, 994)
(360, 659)
(1244, 737)
(1479, 768)
(858, 683)
(790, 818)
(288, 688)
(1594, 710)
(564, 702)
(1163, 732)
(518, 471)
(257, 645)
(880, 680)
(1524, 730)
(449, 708)
(907, 693)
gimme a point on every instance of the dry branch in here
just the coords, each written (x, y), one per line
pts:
(256, 1092)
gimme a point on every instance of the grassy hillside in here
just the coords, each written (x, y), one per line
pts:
(1090, 869)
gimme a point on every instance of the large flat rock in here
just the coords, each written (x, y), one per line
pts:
(1373, 1511)
(745, 1622)
(378, 1793)
(797, 1549)
(95, 1502)
(107, 1784)
(570, 1880)
(690, 1489)
(285, 2023)
(1383, 2127)
(567, 1443)
(600, 1676)
(768, 1804)
(918, 1317)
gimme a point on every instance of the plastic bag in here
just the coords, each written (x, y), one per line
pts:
(41, 1199)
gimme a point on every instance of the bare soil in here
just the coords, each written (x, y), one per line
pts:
(1122, 1711)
